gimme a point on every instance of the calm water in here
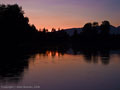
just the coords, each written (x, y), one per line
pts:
(70, 70)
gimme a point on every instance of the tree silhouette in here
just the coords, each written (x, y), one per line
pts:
(15, 30)
(105, 28)
(95, 24)
(75, 35)
(87, 29)
(14, 26)
(53, 30)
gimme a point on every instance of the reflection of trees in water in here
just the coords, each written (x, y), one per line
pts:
(45, 54)
(90, 55)
(51, 52)
(14, 63)
(95, 55)
(12, 67)
(105, 56)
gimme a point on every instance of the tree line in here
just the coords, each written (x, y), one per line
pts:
(16, 30)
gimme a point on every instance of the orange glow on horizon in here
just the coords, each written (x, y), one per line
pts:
(50, 23)
(63, 22)
(68, 13)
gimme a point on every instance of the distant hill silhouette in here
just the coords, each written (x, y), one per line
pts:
(118, 27)
(71, 31)
(113, 30)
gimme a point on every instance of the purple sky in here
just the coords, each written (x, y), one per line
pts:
(68, 13)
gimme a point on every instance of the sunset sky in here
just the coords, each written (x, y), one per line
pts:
(68, 13)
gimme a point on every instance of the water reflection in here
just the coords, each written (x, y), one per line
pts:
(14, 65)
(89, 55)
(53, 54)
(94, 56)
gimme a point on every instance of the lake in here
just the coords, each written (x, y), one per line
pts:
(61, 70)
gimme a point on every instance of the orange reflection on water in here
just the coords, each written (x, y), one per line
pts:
(46, 57)
(55, 57)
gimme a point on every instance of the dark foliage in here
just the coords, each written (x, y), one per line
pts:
(14, 27)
